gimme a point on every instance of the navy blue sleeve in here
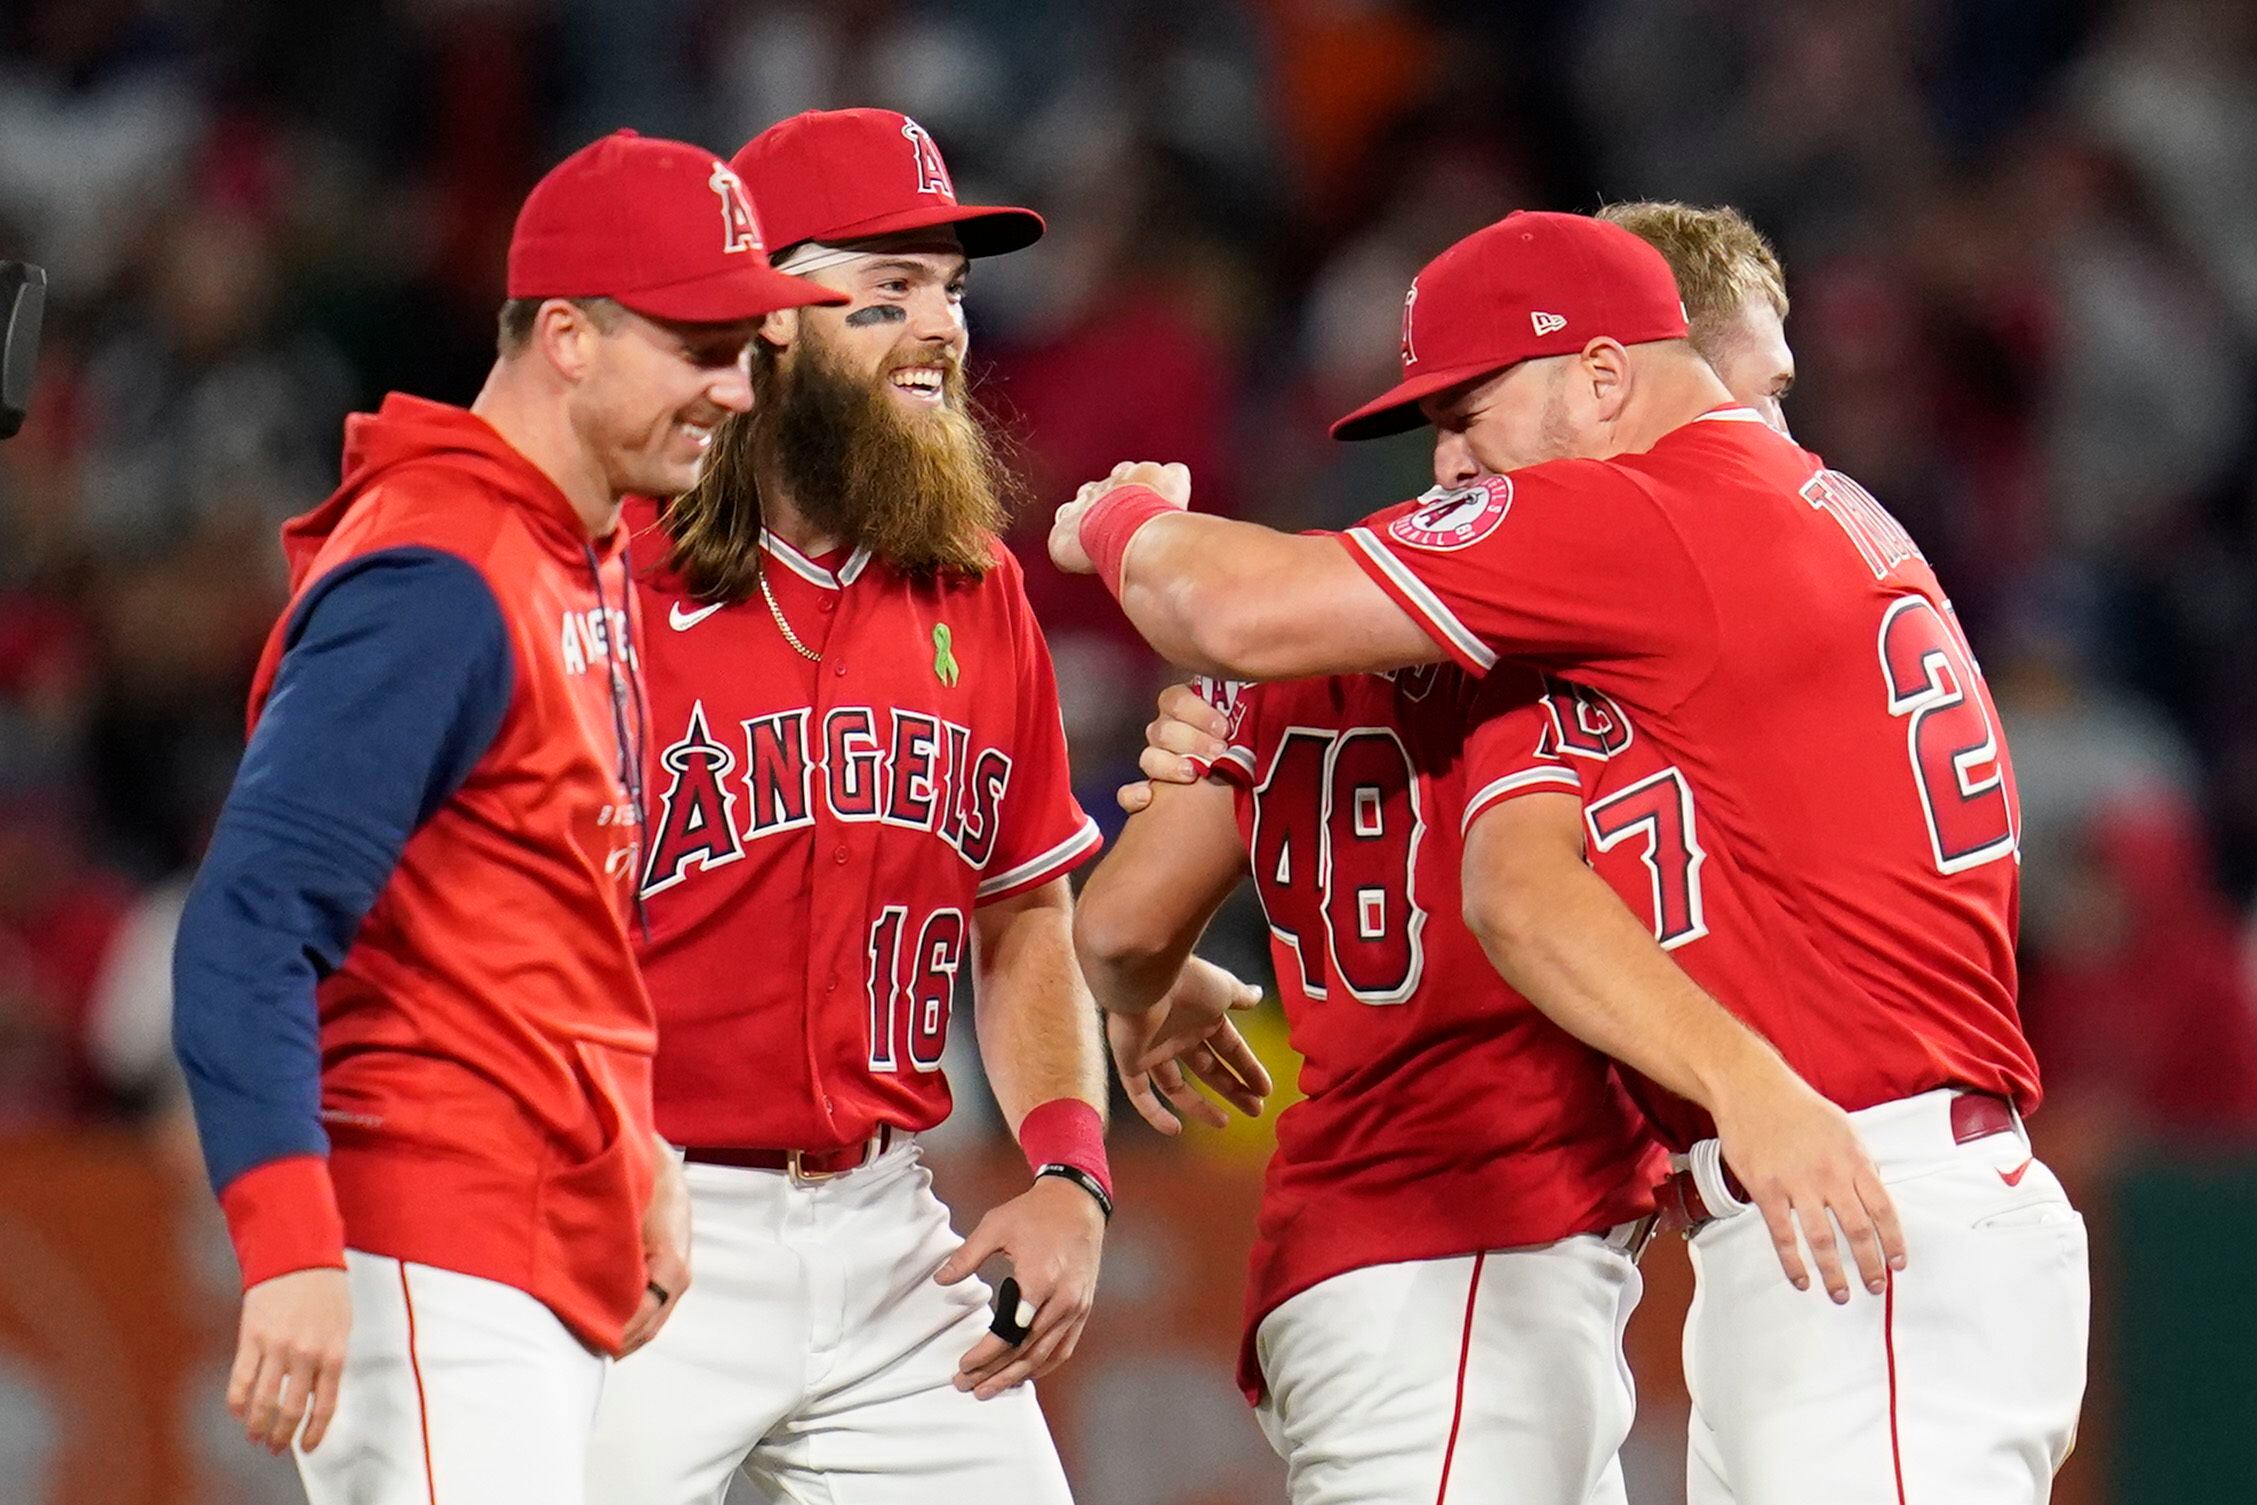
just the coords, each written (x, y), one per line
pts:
(393, 683)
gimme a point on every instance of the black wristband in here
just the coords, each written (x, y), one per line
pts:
(1082, 1179)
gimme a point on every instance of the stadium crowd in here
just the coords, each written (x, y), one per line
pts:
(2019, 239)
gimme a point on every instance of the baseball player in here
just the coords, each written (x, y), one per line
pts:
(406, 998)
(859, 796)
(1458, 1156)
(1789, 768)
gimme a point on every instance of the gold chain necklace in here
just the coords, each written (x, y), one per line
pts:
(785, 627)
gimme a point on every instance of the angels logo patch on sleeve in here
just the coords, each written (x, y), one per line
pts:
(1456, 519)
(1224, 695)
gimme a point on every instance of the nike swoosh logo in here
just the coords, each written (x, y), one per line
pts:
(684, 620)
(2014, 1176)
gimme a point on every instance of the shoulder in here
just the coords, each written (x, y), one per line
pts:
(431, 504)
(1449, 518)
(403, 597)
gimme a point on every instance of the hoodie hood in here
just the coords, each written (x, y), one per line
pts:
(409, 431)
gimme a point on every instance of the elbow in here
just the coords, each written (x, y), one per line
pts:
(1504, 909)
(1113, 937)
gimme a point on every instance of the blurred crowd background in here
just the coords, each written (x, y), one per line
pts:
(2021, 242)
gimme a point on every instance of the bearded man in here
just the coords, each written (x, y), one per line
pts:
(861, 791)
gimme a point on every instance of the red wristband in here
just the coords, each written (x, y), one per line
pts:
(1066, 1131)
(1107, 527)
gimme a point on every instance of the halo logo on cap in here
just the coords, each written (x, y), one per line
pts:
(1410, 300)
(1450, 520)
(932, 173)
(739, 230)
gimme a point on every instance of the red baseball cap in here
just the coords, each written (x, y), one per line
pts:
(661, 227)
(1530, 285)
(838, 175)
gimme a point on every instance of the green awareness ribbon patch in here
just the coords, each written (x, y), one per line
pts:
(944, 656)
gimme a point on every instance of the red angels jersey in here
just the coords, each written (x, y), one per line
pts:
(1790, 761)
(820, 833)
(1444, 1114)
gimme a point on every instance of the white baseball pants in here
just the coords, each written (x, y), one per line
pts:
(814, 1350)
(1961, 1383)
(1494, 1377)
(456, 1391)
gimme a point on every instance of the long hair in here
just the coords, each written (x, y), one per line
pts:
(713, 529)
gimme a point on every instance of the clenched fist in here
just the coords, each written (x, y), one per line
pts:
(1171, 482)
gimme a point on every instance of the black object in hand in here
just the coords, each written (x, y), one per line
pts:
(1006, 1323)
(23, 299)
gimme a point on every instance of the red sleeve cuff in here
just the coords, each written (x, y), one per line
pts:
(1045, 867)
(282, 1217)
(1235, 767)
(1543, 779)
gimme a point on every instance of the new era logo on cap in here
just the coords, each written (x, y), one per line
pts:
(1545, 323)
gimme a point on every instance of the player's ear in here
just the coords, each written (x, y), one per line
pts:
(780, 328)
(565, 334)
(1605, 370)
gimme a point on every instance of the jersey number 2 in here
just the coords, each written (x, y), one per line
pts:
(1336, 833)
(1957, 762)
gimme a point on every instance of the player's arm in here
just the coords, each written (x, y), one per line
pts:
(1142, 912)
(1565, 940)
(1573, 565)
(1232, 599)
(395, 679)
(1039, 1044)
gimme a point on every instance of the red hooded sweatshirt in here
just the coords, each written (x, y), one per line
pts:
(484, 1039)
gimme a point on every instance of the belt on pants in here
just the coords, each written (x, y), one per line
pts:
(801, 1165)
(1681, 1209)
(1631, 1238)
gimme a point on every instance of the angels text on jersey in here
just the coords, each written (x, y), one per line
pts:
(887, 764)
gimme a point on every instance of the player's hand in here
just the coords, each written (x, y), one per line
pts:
(1052, 1233)
(1180, 744)
(1189, 1030)
(666, 1252)
(1171, 482)
(290, 1356)
(1802, 1163)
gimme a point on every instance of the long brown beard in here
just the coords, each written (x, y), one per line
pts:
(927, 492)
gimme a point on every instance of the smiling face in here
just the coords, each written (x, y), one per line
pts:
(864, 425)
(1524, 415)
(904, 326)
(651, 394)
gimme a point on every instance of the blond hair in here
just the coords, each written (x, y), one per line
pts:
(1718, 258)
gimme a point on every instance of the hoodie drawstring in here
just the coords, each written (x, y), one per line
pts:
(630, 749)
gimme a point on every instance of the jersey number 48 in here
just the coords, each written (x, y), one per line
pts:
(1335, 845)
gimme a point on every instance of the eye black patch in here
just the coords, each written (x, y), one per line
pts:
(877, 313)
